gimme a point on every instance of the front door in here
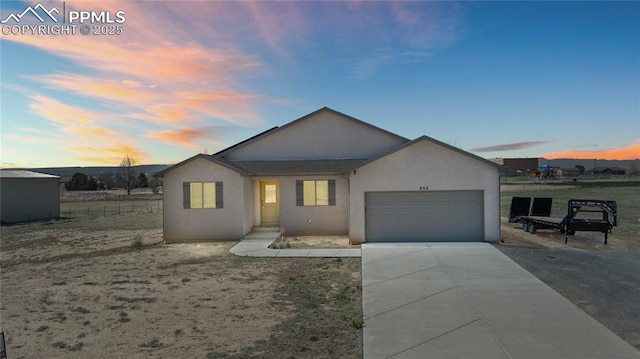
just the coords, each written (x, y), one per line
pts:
(269, 203)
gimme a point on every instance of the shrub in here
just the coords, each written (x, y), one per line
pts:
(136, 242)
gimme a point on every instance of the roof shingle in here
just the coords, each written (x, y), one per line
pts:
(332, 166)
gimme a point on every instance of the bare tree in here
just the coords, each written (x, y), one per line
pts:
(127, 176)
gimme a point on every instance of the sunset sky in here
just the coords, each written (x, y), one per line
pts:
(498, 79)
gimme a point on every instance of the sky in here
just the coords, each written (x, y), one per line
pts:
(161, 81)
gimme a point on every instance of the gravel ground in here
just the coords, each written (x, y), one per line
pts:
(606, 285)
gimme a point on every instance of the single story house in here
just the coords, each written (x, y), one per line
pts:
(328, 173)
(607, 171)
(28, 196)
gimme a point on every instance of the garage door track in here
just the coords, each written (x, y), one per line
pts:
(468, 300)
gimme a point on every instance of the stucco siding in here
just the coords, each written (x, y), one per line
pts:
(182, 225)
(312, 220)
(326, 135)
(28, 199)
(249, 207)
(425, 166)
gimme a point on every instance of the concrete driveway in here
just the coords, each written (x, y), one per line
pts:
(468, 300)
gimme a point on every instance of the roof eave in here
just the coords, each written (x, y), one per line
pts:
(210, 158)
(294, 174)
(422, 138)
(280, 128)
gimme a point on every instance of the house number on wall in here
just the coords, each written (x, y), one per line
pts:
(424, 188)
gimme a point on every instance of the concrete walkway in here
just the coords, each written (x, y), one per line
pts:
(468, 300)
(256, 244)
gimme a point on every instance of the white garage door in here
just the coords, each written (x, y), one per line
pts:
(436, 216)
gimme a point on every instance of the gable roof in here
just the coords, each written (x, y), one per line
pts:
(24, 174)
(419, 139)
(315, 166)
(334, 166)
(266, 168)
(250, 139)
(301, 119)
(210, 158)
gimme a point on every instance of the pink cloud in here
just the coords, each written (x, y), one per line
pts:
(185, 137)
(109, 154)
(126, 91)
(183, 65)
(152, 63)
(84, 132)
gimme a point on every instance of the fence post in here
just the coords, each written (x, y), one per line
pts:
(3, 346)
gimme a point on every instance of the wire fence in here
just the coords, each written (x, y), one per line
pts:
(109, 208)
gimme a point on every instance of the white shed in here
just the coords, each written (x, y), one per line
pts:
(28, 196)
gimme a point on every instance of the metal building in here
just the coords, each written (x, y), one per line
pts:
(28, 196)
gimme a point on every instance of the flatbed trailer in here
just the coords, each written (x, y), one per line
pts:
(536, 215)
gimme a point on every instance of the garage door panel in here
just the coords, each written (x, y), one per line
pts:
(424, 216)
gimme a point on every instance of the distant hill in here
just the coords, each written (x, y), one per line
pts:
(153, 169)
(94, 171)
(588, 164)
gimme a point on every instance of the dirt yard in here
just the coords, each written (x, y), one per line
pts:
(77, 289)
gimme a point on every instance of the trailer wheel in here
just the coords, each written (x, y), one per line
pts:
(525, 226)
(532, 229)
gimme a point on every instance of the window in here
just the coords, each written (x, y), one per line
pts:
(316, 193)
(202, 194)
(270, 193)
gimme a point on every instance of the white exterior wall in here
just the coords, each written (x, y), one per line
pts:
(227, 223)
(29, 199)
(308, 220)
(326, 135)
(426, 164)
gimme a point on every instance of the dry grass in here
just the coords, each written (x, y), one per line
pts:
(625, 237)
(313, 242)
(78, 288)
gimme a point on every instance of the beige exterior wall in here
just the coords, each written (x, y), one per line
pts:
(251, 204)
(307, 220)
(181, 225)
(241, 209)
(326, 135)
(426, 164)
(28, 199)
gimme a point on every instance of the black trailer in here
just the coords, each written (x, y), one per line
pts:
(582, 215)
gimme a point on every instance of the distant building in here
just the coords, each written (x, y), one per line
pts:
(512, 167)
(568, 172)
(28, 196)
(607, 171)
